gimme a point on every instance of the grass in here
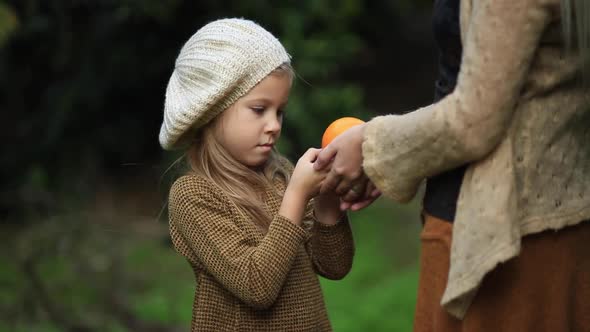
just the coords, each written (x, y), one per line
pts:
(379, 292)
(158, 285)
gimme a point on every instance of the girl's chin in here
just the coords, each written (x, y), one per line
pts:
(257, 164)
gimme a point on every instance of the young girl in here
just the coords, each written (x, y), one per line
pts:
(241, 216)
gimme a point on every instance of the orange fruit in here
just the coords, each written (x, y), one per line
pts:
(338, 127)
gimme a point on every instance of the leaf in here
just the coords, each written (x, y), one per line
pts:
(8, 23)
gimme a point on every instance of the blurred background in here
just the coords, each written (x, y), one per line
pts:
(83, 226)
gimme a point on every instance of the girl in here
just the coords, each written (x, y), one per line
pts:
(240, 216)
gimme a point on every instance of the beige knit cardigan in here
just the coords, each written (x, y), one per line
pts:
(519, 116)
(249, 279)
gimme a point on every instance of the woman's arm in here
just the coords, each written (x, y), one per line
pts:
(500, 41)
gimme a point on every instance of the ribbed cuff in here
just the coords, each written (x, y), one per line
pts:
(375, 160)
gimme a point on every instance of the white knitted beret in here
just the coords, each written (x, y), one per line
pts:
(219, 64)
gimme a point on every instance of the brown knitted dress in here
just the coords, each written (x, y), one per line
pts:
(249, 280)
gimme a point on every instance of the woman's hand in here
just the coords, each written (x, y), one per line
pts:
(346, 159)
(346, 177)
(355, 201)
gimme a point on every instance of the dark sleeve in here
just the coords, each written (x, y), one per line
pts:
(442, 190)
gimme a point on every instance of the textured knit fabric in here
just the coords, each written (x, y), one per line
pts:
(520, 115)
(219, 64)
(249, 279)
(544, 289)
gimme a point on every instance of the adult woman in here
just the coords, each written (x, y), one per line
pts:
(518, 119)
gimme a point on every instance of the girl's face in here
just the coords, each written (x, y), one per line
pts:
(249, 128)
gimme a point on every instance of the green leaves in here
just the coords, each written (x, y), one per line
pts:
(321, 37)
(8, 23)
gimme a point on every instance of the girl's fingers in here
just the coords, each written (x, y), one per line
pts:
(311, 154)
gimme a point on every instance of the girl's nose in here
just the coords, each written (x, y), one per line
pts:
(273, 124)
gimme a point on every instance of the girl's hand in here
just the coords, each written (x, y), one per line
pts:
(327, 208)
(305, 180)
(304, 184)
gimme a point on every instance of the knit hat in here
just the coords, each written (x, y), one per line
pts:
(219, 64)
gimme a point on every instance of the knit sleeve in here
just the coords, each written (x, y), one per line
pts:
(331, 248)
(500, 39)
(254, 273)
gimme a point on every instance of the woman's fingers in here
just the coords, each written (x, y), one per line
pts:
(362, 204)
(330, 183)
(355, 202)
(325, 156)
(355, 191)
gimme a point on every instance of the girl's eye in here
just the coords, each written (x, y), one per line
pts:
(258, 109)
(281, 113)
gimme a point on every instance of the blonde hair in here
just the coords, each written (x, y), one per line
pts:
(246, 187)
(575, 17)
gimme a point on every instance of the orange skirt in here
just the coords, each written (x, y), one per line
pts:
(546, 288)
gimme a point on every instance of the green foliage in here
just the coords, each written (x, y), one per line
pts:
(167, 295)
(379, 294)
(83, 82)
(8, 23)
(319, 97)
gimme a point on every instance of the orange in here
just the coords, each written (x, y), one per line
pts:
(338, 127)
